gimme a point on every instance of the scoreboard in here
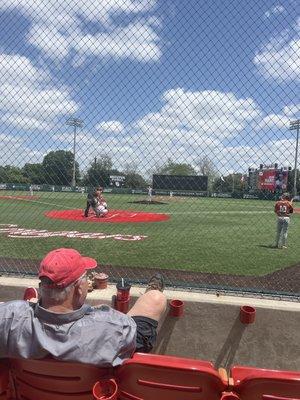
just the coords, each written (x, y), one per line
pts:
(180, 182)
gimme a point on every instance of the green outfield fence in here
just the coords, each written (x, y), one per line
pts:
(185, 112)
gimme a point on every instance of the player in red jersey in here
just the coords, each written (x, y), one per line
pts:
(283, 209)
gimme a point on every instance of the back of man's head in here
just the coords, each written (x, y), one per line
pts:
(61, 274)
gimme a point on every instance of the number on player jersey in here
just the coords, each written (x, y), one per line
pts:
(282, 209)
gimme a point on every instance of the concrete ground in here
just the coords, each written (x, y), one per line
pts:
(210, 328)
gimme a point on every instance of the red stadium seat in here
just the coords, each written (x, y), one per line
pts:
(160, 377)
(143, 377)
(4, 373)
(262, 384)
(54, 380)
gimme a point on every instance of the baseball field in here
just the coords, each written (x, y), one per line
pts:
(206, 235)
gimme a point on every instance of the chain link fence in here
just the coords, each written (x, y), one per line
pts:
(185, 113)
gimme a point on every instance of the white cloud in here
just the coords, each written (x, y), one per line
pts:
(15, 150)
(136, 41)
(229, 130)
(276, 10)
(110, 126)
(240, 158)
(28, 99)
(18, 70)
(25, 123)
(60, 11)
(203, 114)
(292, 110)
(50, 41)
(57, 28)
(273, 121)
(188, 125)
(279, 59)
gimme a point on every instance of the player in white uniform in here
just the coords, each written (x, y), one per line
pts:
(101, 207)
(149, 193)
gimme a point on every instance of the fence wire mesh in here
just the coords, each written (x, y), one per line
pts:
(186, 113)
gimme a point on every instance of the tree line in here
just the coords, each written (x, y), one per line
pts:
(57, 169)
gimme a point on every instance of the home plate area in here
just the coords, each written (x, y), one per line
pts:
(114, 216)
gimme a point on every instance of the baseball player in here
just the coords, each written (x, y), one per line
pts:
(101, 207)
(92, 201)
(150, 192)
(283, 209)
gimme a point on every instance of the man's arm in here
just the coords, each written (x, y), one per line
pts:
(128, 343)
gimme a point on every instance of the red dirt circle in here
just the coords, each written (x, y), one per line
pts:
(114, 216)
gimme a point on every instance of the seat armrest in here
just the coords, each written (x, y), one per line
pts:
(223, 375)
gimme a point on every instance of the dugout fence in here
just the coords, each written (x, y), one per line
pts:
(184, 112)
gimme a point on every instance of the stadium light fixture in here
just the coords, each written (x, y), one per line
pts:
(295, 125)
(76, 123)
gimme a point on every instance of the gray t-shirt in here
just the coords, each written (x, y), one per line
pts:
(101, 336)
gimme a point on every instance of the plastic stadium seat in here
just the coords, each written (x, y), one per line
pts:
(262, 384)
(159, 377)
(54, 380)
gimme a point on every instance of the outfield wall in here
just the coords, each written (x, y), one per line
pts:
(255, 195)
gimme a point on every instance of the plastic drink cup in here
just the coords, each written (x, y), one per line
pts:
(123, 290)
(122, 306)
(230, 396)
(101, 280)
(247, 314)
(105, 389)
(176, 308)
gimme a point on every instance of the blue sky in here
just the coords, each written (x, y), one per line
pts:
(151, 79)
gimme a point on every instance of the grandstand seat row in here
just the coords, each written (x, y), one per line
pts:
(143, 377)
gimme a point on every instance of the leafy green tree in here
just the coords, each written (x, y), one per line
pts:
(172, 168)
(207, 168)
(133, 179)
(290, 184)
(229, 183)
(11, 174)
(34, 173)
(58, 168)
(99, 171)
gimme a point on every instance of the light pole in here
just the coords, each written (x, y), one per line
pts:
(76, 123)
(295, 125)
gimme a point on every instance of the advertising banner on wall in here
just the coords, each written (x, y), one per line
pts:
(281, 180)
(266, 180)
(273, 179)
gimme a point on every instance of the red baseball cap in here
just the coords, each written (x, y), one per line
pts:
(65, 266)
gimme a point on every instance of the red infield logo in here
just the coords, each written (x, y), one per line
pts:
(12, 231)
(114, 216)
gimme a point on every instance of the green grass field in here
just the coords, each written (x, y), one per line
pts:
(203, 234)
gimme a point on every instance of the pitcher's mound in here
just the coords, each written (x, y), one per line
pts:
(114, 216)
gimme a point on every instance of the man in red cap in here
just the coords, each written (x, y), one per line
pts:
(62, 326)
